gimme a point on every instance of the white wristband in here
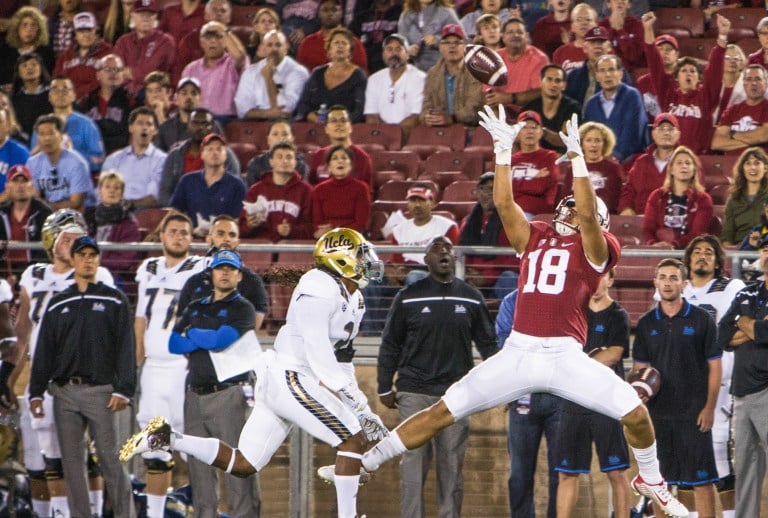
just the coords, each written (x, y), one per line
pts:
(504, 157)
(579, 167)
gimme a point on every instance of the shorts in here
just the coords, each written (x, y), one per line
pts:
(685, 454)
(575, 435)
(162, 393)
(534, 364)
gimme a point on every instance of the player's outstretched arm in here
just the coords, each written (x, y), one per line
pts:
(513, 218)
(595, 244)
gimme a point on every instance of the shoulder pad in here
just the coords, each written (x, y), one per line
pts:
(152, 266)
(317, 283)
(189, 263)
(719, 285)
(38, 270)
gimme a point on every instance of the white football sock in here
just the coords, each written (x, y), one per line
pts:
(346, 495)
(648, 463)
(203, 449)
(41, 507)
(729, 514)
(389, 448)
(155, 506)
(96, 496)
(60, 507)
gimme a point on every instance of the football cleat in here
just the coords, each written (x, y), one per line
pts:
(155, 436)
(328, 475)
(662, 498)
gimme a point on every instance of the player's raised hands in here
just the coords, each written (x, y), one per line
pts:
(503, 134)
(571, 139)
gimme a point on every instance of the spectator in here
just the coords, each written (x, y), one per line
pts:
(649, 169)
(210, 191)
(30, 91)
(111, 221)
(733, 79)
(27, 33)
(692, 367)
(146, 48)
(488, 29)
(288, 214)
(180, 20)
(298, 19)
(157, 94)
(547, 34)
(14, 129)
(760, 56)
(79, 61)
(339, 131)
(174, 129)
(421, 23)
(553, 106)
(82, 133)
(528, 10)
(450, 74)
(11, 151)
(608, 343)
(495, 275)
(745, 124)
(61, 176)
(573, 54)
(524, 62)
(341, 200)
(535, 174)
(427, 341)
(140, 163)
(265, 20)
(118, 21)
(109, 104)
(395, 95)
(694, 97)
(618, 106)
(748, 194)
(668, 51)
(597, 141)
(279, 131)
(187, 155)
(625, 33)
(758, 232)
(22, 216)
(374, 22)
(637, 7)
(271, 88)
(469, 22)
(61, 27)
(312, 51)
(338, 82)
(680, 209)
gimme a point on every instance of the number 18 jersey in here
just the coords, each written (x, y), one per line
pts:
(556, 283)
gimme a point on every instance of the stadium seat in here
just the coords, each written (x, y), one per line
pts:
(461, 190)
(719, 193)
(749, 45)
(389, 206)
(378, 220)
(460, 209)
(426, 140)
(482, 143)
(251, 132)
(244, 152)
(243, 33)
(395, 190)
(698, 48)
(444, 178)
(471, 164)
(743, 22)
(243, 14)
(680, 22)
(406, 162)
(377, 136)
(636, 300)
(382, 177)
(627, 229)
(150, 218)
(258, 261)
(309, 135)
(715, 226)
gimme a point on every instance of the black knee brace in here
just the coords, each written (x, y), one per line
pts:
(53, 469)
(36, 474)
(158, 466)
(93, 466)
(726, 484)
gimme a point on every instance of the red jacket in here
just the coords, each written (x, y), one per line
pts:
(606, 179)
(627, 43)
(81, 70)
(362, 165)
(659, 225)
(342, 203)
(536, 195)
(291, 202)
(155, 52)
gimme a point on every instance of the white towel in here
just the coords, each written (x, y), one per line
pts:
(242, 356)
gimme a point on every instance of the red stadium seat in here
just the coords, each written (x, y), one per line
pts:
(378, 220)
(383, 136)
(698, 48)
(395, 190)
(462, 190)
(251, 132)
(460, 209)
(444, 178)
(719, 193)
(243, 33)
(245, 152)
(389, 206)
(680, 21)
(743, 22)
(749, 45)
(426, 140)
(309, 133)
(406, 162)
(382, 177)
(482, 142)
(471, 164)
(150, 218)
(718, 164)
(627, 229)
(243, 14)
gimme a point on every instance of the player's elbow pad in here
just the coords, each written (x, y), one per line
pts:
(180, 345)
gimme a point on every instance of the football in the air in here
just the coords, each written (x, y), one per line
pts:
(646, 382)
(485, 65)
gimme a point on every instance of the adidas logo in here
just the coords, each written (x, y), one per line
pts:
(426, 310)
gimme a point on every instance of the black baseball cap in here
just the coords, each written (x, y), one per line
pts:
(84, 242)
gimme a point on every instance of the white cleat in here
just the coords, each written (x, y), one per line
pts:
(328, 475)
(662, 498)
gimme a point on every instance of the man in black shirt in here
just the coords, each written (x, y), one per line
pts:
(86, 350)
(427, 340)
(680, 340)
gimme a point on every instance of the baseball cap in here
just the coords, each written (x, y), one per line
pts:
(395, 36)
(188, 81)
(666, 117)
(666, 38)
(425, 193)
(529, 115)
(210, 138)
(84, 20)
(453, 29)
(227, 257)
(145, 5)
(19, 170)
(597, 34)
(486, 177)
(84, 242)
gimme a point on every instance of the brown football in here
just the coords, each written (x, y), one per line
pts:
(646, 381)
(485, 65)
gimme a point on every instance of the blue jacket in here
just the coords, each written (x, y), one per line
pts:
(628, 120)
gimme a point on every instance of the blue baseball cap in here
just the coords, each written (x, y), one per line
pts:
(228, 257)
(84, 242)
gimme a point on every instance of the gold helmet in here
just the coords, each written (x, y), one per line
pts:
(346, 253)
(62, 220)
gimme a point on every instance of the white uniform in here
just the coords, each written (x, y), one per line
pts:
(41, 283)
(163, 374)
(322, 318)
(716, 297)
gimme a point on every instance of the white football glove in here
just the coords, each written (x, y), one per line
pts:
(354, 398)
(503, 134)
(373, 427)
(571, 139)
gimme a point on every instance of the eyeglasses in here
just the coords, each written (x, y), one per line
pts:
(338, 121)
(112, 70)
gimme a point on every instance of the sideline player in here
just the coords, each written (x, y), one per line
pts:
(39, 283)
(323, 318)
(560, 269)
(160, 281)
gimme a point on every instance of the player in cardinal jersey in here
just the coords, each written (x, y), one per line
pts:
(561, 267)
(160, 281)
(39, 283)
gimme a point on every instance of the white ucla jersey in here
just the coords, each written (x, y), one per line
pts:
(41, 283)
(346, 312)
(159, 289)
